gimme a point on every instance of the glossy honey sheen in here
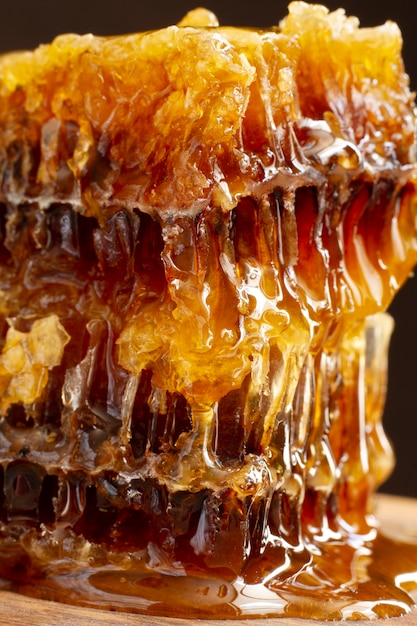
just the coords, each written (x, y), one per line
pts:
(194, 269)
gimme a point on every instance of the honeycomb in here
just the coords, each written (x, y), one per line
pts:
(200, 230)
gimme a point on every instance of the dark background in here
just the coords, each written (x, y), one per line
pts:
(26, 23)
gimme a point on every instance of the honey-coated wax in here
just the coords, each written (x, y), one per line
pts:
(200, 230)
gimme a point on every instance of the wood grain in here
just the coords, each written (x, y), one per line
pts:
(398, 518)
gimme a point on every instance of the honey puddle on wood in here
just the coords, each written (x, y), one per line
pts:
(344, 582)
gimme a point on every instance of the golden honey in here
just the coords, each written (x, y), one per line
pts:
(201, 229)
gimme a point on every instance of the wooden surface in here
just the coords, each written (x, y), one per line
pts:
(398, 517)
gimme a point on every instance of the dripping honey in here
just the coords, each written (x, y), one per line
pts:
(193, 363)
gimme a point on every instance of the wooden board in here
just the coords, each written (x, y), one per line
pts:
(398, 517)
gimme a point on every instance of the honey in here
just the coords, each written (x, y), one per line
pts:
(201, 229)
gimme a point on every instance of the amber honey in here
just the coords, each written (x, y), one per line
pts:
(195, 264)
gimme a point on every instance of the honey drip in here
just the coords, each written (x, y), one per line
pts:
(193, 343)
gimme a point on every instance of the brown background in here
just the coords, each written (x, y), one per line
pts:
(26, 23)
